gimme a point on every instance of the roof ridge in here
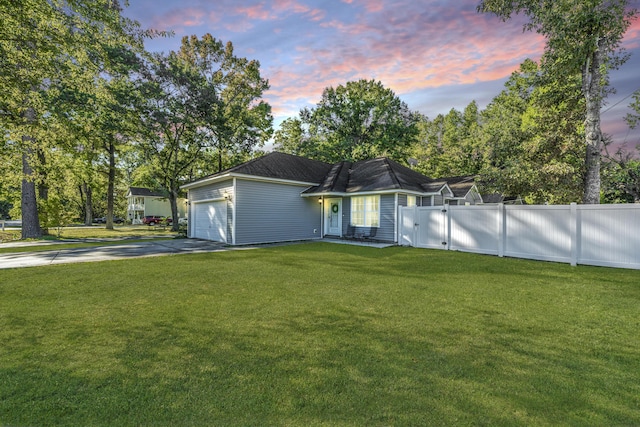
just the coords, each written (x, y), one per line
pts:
(392, 172)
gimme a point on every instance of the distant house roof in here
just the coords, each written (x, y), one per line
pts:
(144, 192)
(495, 198)
(460, 185)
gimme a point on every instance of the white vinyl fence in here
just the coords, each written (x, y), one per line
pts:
(603, 235)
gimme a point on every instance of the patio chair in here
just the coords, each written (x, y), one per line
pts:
(351, 232)
(372, 233)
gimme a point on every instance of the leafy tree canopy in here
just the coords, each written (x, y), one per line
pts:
(583, 37)
(360, 120)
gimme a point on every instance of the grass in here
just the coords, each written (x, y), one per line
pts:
(320, 334)
(9, 235)
(131, 233)
(118, 231)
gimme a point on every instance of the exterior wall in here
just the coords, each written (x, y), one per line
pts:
(273, 212)
(387, 229)
(213, 191)
(156, 206)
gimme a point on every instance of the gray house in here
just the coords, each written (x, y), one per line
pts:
(281, 197)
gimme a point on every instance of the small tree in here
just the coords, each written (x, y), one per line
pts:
(200, 101)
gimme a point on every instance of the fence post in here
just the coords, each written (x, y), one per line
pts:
(500, 212)
(574, 233)
(415, 226)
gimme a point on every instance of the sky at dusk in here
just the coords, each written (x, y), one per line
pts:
(434, 54)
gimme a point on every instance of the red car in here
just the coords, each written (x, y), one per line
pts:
(155, 219)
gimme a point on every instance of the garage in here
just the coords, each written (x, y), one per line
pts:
(209, 220)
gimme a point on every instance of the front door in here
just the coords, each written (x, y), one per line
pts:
(333, 217)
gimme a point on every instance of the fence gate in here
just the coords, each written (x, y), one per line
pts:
(424, 227)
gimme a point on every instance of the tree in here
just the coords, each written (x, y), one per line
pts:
(633, 118)
(358, 121)
(533, 138)
(201, 101)
(621, 179)
(451, 144)
(582, 37)
(621, 171)
(43, 43)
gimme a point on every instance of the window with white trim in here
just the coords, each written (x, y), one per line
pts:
(365, 211)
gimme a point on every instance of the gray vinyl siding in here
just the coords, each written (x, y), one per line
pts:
(387, 218)
(213, 191)
(387, 229)
(273, 212)
(402, 200)
(346, 215)
(473, 197)
(438, 200)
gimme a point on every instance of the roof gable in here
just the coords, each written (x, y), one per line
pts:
(380, 174)
(145, 192)
(460, 185)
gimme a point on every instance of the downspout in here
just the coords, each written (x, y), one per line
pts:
(233, 213)
(322, 217)
(395, 219)
(189, 216)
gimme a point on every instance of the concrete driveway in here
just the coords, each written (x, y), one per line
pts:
(124, 250)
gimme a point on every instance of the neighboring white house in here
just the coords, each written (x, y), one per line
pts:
(142, 202)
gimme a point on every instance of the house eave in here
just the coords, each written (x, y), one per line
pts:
(226, 176)
(368, 193)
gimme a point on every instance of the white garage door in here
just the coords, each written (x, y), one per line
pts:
(210, 221)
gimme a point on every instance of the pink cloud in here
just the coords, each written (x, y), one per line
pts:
(184, 17)
(292, 6)
(254, 12)
(632, 36)
(407, 56)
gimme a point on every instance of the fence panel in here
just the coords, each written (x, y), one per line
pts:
(603, 235)
(407, 220)
(538, 232)
(432, 227)
(474, 229)
(609, 235)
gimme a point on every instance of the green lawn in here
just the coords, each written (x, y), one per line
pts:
(131, 233)
(320, 334)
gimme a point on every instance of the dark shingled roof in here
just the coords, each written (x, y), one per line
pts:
(460, 185)
(145, 192)
(281, 166)
(370, 175)
(345, 177)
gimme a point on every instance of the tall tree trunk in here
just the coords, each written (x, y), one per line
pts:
(88, 204)
(592, 90)
(29, 205)
(173, 201)
(111, 184)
